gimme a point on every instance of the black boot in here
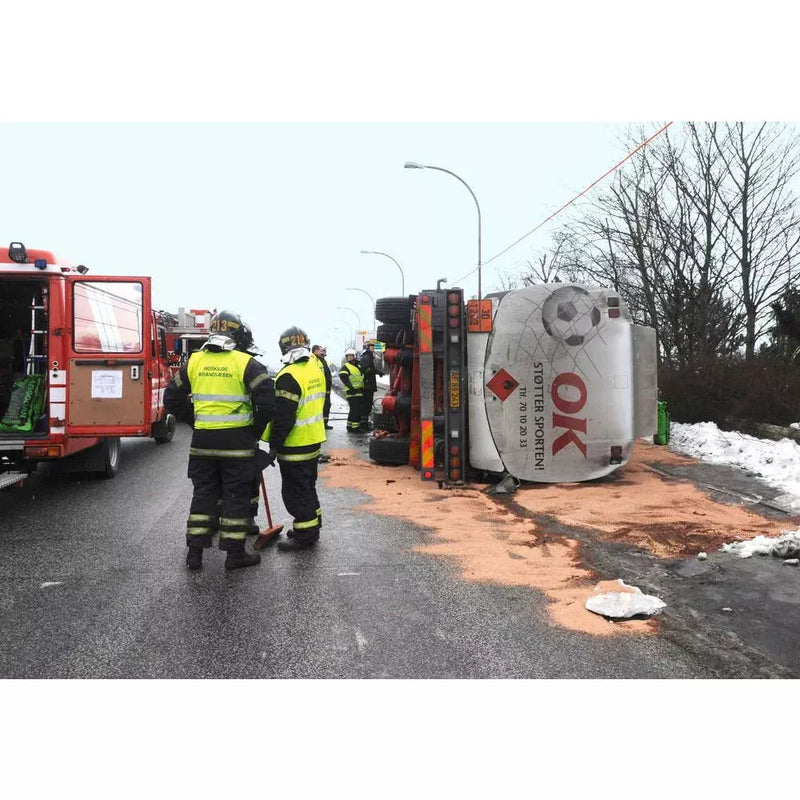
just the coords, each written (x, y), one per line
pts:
(239, 557)
(292, 543)
(194, 558)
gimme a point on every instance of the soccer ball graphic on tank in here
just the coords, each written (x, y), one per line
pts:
(570, 316)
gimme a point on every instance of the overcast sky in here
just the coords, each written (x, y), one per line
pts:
(268, 219)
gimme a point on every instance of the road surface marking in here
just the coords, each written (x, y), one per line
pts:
(361, 640)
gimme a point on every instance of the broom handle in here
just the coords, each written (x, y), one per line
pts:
(266, 501)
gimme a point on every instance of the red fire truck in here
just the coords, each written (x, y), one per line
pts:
(83, 362)
(186, 333)
(550, 383)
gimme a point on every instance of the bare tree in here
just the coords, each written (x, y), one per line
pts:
(762, 233)
(698, 232)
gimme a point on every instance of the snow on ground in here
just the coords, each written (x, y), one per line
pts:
(775, 463)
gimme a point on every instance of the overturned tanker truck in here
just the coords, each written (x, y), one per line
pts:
(550, 383)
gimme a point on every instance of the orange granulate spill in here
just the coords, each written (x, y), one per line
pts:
(638, 506)
(489, 543)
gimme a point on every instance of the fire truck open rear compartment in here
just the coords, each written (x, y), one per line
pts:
(23, 358)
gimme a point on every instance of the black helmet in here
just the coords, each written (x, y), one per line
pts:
(292, 338)
(226, 323)
(245, 341)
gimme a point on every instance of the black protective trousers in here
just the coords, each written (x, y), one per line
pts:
(299, 493)
(356, 403)
(221, 500)
(366, 404)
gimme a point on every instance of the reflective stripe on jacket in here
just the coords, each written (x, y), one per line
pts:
(356, 376)
(219, 394)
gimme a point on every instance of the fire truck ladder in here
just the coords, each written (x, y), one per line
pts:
(37, 343)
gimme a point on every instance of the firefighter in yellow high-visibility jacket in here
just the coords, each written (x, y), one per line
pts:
(295, 437)
(352, 376)
(231, 402)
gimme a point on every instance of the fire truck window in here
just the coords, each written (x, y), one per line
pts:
(162, 337)
(107, 317)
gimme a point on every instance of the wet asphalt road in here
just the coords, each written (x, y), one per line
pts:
(93, 585)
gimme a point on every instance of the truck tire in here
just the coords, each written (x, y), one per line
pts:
(389, 450)
(393, 333)
(395, 310)
(164, 429)
(111, 450)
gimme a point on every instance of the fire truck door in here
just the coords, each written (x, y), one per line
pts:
(108, 385)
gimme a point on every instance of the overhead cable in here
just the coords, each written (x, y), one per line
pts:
(559, 210)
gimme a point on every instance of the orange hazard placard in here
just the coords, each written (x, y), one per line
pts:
(479, 316)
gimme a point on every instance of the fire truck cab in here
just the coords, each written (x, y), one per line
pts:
(550, 383)
(83, 362)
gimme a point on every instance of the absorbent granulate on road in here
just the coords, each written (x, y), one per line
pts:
(488, 542)
(670, 518)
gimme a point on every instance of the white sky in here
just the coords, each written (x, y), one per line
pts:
(269, 220)
(268, 217)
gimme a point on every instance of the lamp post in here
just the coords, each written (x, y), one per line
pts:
(337, 329)
(344, 308)
(414, 165)
(402, 276)
(354, 289)
(347, 327)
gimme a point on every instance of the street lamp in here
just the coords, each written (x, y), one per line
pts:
(354, 289)
(414, 165)
(338, 330)
(402, 276)
(344, 308)
(350, 333)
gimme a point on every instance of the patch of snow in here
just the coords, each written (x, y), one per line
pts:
(785, 546)
(775, 463)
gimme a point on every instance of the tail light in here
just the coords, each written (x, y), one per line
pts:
(42, 451)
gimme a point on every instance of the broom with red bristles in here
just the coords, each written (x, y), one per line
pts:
(271, 533)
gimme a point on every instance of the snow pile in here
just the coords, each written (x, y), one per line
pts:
(786, 546)
(776, 463)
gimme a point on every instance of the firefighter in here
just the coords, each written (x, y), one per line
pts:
(295, 437)
(232, 400)
(320, 352)
(353, 379)
(367, 361)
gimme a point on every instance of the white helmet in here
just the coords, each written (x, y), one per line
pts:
(349, 352)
